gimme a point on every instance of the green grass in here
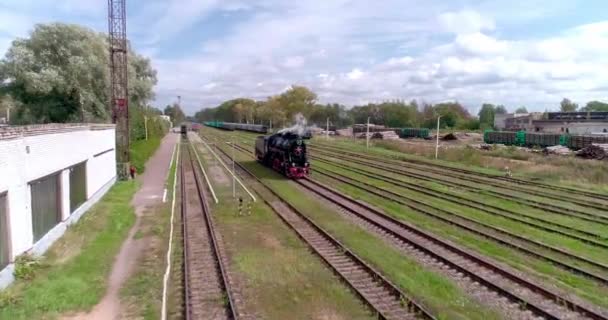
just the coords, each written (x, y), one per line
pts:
(581, 286)
(77, 266)
(437, 292)
(566, 171)
(545, 271)
(141, 151)
(281, 278)
(515, 227)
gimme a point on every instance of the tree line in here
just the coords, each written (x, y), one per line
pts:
(60, 74)
(278, 111)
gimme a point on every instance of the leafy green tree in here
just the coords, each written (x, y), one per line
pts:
(60, 74)
(486, 116)
(595, 106)
(521, 110)
(568, 106)
(500, 109)
(175, 113)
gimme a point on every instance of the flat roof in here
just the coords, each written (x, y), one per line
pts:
(11, 132)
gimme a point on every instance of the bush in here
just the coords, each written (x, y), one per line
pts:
(26, 266)
(141, 151)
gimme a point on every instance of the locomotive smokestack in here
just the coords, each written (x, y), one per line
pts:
(299, 128)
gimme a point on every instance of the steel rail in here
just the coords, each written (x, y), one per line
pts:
(382, 220)
(412, 305)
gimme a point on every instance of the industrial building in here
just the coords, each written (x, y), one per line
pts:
(586, 123)
(516, 121)
(49, 176)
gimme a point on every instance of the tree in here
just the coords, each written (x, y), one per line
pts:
(568, 106)
(486, 116)
(60, 74)
(176, 113)
(297, 99)
(595, 106)
(521, 110)
(500, 109)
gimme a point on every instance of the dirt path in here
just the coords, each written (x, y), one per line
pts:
(150, 194)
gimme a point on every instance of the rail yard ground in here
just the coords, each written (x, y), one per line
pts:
(442, 239)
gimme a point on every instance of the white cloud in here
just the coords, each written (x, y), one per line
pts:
(293, 62)
(355, 74)
(465, 21)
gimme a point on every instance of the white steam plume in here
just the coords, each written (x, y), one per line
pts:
(300, 128)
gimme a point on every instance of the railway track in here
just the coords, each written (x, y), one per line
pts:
(544, 302)
(382, 296)
(207, 291)
(488, 178)
(563, 259)
(491, 180)
(542, 224)
(421, 175)
(509, 284)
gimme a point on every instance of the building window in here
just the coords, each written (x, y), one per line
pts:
(46, 205)
(4, 231)
(78, 186)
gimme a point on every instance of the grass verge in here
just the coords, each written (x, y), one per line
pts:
(280, 278)
(141, 151)
(438, 293)
(74, 272)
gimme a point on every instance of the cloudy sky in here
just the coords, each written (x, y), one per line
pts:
(530, 53)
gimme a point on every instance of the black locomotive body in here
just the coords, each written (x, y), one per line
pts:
(285, 153)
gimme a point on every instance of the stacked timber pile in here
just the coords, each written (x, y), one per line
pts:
(385, 135)
(594, 151)
(348, 132)
(559, 150)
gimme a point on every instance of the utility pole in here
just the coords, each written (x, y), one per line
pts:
(146, 125)
(233, 172)
(119, 102)
(327, 130)
(437, 143)
(367, 136)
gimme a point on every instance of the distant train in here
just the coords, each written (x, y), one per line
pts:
(529, 139)
(257, 128)
(285, 153)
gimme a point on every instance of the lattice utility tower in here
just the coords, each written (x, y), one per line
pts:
(119, 101)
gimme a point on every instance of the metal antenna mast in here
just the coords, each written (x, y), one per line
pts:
(119, 102)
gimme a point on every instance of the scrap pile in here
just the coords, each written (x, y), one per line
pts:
(385, 135)
(449, 137)
(594, 151)
(559, 150)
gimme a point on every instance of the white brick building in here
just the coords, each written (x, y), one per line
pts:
(49, 176)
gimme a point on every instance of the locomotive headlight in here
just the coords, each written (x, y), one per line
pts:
(293, 164)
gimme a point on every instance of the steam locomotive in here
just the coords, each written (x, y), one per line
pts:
(285, 153)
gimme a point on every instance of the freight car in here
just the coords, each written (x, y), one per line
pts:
(522, 138)
(414, 133)
(285, 153)
(257, 128)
